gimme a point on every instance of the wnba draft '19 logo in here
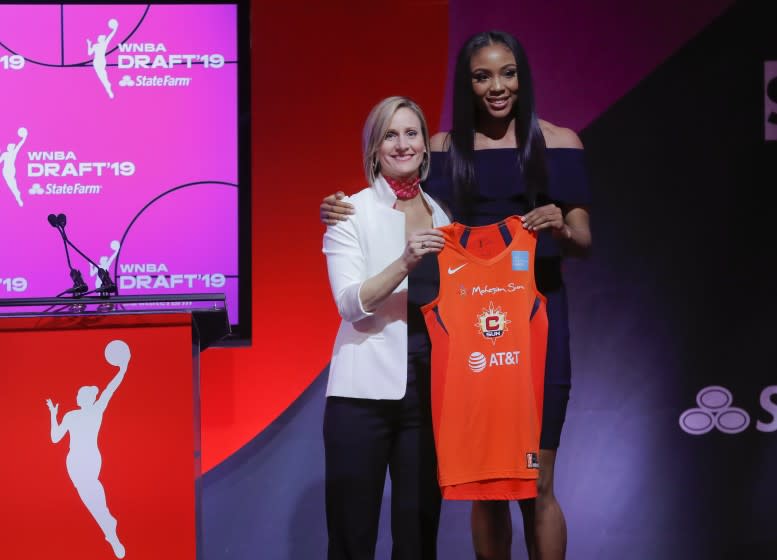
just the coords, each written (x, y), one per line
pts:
(492, 322)
(8, 160)
(84, 460)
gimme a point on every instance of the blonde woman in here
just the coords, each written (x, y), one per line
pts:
(377, 414)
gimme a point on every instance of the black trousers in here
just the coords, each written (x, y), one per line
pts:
(363, 438)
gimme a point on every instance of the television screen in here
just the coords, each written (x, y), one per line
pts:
(125, 126)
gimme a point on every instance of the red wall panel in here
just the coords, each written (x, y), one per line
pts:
(317, 69)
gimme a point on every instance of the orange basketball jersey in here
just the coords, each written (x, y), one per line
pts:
(488, 327)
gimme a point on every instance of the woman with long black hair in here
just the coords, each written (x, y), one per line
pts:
(497, 160)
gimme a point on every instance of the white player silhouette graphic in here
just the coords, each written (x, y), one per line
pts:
(9, 164)
(83, 459)
(105, 263)
(99, 49)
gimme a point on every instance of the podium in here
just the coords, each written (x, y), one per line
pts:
(100, 425)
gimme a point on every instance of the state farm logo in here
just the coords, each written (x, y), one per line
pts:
(715, 411)
(478, 361)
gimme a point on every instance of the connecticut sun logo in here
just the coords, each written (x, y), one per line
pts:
(492, 322)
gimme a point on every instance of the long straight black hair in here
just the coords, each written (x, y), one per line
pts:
(528, 136)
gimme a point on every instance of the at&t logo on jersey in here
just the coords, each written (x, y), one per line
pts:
(478, 361)
(492, 322)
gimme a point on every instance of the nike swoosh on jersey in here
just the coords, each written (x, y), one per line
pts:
(455, 270)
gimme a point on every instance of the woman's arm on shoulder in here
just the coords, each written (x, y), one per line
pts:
(440, 142)
(333, 209)
(559, 137)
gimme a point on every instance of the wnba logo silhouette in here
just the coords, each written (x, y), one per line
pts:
(99, 50)
(8, 160)
(105, 263)
(715, 411)
(83, 459)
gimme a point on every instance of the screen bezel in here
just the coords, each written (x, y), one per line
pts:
(242, 330)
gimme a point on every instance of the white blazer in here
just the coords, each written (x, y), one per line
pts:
(369, 359)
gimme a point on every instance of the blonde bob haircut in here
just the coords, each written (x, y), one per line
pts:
(375, 128)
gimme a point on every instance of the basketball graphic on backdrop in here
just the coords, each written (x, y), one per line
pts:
(117, 353)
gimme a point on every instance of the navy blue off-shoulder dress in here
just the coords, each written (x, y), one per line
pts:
(501, 192)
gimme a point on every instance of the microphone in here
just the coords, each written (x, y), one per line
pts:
(107, 286)
(79, 286)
